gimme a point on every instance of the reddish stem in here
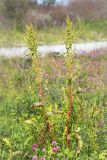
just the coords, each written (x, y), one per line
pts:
(69, 113)
(40, 90)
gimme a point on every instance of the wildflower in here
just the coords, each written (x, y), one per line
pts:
(53, 143)
(54, 150)
(34, 147)
(42, 158)
(6, 141)
(34, 158)
(43, 150)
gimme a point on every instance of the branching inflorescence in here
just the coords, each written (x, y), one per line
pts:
(69, 38)
(36, 67)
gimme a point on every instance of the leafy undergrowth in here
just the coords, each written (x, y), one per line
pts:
(22, 123)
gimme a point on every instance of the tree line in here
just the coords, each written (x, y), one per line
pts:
(17, 13)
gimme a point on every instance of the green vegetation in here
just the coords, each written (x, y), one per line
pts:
(53, 107)
(91, 30)
(14, 37)
(85, 31)
(20, 122)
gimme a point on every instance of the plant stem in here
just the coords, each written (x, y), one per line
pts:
(69, 113)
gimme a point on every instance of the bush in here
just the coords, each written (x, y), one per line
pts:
(15, 11)
(89, 9)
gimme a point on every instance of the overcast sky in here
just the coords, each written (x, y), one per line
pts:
(58, 1)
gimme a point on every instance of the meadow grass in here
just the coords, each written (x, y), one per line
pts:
(17, 118)
(84, 31)
(53, 107)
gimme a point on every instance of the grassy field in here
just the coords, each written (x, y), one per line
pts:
(19, 127)
(53, 107)
(84, 31)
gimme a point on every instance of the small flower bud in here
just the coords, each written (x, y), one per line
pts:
(53, 143)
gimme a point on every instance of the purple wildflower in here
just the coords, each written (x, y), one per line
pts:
(54, 150)
(34, 147)
(42, 158)
(34, 158)
(53, 143)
